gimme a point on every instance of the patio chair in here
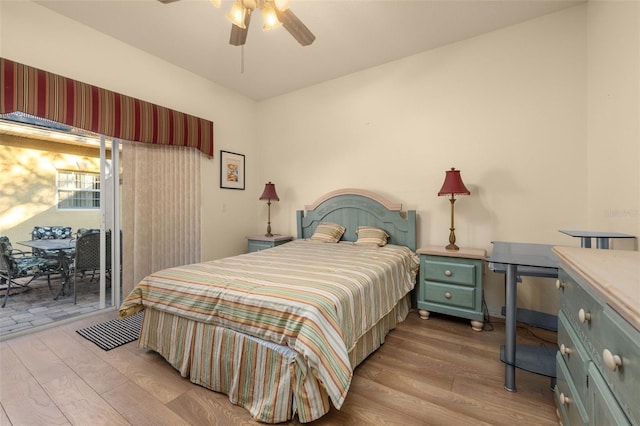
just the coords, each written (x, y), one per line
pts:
(84, 231)
(86, 258)
(16, 264)
(51, 232)
(81, 231)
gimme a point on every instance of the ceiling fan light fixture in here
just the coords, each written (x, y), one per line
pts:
(237, 14)
(269, 18)
(282, 5)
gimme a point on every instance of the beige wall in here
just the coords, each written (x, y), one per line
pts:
(526, 113)
(613, 146)
(507, 108)
(28, 182)
(541, 117)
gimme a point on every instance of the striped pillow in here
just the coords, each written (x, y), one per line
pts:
(328, 232)
(369, 235)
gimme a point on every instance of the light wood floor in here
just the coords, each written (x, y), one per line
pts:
(429, 372)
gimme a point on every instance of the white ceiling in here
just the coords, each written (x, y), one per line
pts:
(351, 35)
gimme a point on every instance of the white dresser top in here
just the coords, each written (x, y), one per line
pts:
(613, 274)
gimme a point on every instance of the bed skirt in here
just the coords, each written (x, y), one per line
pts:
(271, 381)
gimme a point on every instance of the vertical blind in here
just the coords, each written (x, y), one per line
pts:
(162, 221)
(64, 100)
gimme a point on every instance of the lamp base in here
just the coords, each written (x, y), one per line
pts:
(452, 236)
(268, 234)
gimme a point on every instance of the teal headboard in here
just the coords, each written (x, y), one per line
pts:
(356, 207)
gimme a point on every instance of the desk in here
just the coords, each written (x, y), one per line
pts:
(602, 238)
(58, 245)
(516, 259)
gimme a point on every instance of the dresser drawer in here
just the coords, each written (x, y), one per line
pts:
(616, 342)
(604, 406)
(568, 400)
(574, 354)
(450, 271)
(450, 295)
(583, 311)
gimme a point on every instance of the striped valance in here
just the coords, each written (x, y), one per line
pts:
(43, 94)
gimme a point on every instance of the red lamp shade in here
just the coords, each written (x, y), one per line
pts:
(453, 184)
(269, 192)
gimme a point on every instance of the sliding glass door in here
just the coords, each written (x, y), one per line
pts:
(58, 177)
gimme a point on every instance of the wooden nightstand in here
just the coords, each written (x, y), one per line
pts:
(451, 283)
(260, 242)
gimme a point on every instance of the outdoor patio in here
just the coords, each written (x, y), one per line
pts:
(36, 306)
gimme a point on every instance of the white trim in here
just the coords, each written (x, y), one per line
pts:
(355, 191)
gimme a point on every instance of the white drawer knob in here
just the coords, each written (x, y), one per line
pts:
(448, 273)
(564, 399)
(559, 284)
(447, 295)
(611, 361)
(565, 350)
(584, 316)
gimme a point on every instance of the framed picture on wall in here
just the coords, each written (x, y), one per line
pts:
(231, 170)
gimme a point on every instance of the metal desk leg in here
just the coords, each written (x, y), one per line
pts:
(510, 329)
(602, 243)
(585, 242)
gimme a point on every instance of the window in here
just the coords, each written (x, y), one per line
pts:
(78, 190)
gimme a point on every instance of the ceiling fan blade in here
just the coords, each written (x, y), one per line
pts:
(167, 1)
(296, 28)
(238, 35)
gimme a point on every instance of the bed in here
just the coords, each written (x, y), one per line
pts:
(280, 330)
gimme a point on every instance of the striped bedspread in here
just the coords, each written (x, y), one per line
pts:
(316, 298)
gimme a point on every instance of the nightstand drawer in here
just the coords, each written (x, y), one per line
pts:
(260, 242)
(450, 295)
(450, 271)
(259, 245)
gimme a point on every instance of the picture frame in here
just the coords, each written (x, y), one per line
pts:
(231, 170)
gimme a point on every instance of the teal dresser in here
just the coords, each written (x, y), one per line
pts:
(260, 242)
(598, 362)
(451, 283)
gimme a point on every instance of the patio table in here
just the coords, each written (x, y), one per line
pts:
(59, 245)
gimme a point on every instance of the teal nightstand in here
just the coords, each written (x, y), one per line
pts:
(451, 283)
(260, 242)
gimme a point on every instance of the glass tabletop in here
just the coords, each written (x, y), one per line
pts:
(595, 234)
(50, 244)
(523, 254)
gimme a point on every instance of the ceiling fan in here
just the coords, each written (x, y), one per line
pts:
(274, 14)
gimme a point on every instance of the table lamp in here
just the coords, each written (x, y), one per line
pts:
(453, 185)
(269, 194)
